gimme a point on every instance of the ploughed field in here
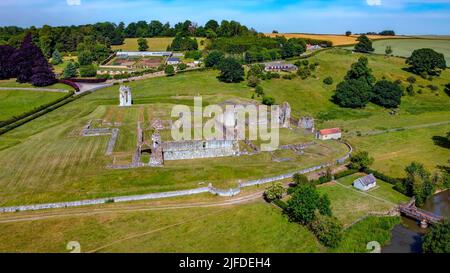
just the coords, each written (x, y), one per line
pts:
(47, 160)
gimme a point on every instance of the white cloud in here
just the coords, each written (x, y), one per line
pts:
(73, 2)
(373, 2)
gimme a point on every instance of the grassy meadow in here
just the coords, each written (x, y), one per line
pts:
(251, 227)
(16, 102)
(404, 47)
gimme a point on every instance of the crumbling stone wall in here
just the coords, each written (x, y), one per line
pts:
(199, 149)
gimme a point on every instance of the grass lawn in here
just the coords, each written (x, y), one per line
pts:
(394, 151)
(404, 48)
(349, 205)
(371, 229)
(255, 227)
(383, 190)
(155, 44)
(16, 102)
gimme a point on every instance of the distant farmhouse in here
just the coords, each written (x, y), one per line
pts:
(327, 134)
(173, 61)
(365, 183)
(280, 66)
(313, 47)
(127, 54)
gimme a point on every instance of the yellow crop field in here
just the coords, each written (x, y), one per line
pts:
(337, 40)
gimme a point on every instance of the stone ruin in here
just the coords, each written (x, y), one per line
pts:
(125, 96)
(307, 123)
(285, 115)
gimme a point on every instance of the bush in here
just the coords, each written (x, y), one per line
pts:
(328, 81)
(269, 101)
(300, 179)
(274, 192)
(433, 87)
(289, 76)
(169, 70)
(411, 80)
(360, 160)
(387, 94)
(281, 204)
(259, 91)
(182, 66)
(327, 229)
(345, 173)
(88, 71)
(304, 203)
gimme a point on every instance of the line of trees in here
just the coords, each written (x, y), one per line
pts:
(68, 38)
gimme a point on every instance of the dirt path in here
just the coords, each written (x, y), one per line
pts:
(89, 211)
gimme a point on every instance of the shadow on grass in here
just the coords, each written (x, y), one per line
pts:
(441, 141)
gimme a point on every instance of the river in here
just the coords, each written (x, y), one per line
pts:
(408, 236)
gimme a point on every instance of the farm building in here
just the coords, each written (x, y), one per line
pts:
(173, 61)
(365, 183)
(126, 54)
(313, 47)
(280, 66)
(327, 134)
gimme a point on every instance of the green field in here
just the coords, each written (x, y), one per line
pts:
(49, 149)
(404, 47)
(154, 44)
(16, 102)
(254, 227)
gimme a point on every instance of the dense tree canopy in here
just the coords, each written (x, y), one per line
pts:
(356, 89)
(426, 61)
(231, 70)
(214, 58)
(305, 202)
(387, 94)
(438, 239)
(353, 93)
(364, 45)
(6, 62)
(418, 183)
(183, 43)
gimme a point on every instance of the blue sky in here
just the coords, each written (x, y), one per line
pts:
(310, 16)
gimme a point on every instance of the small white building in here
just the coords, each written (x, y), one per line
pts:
(125, 96)
(365, 183)
(327, 134)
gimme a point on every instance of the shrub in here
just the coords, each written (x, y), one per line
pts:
(289, 76)
(328, 230)
(300, 179)
(360, 160)
(328, 81)
(411, 80)
(433, 87)
(259, 91)
(274, 192)
(269, 101)
(345, 173)
(88, 71)
(182, 66)
(169, 70)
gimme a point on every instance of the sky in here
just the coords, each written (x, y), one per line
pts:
(300, 16)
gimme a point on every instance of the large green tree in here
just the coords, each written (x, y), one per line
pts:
(387, 94)
(364, 45)
(353, 93)
(214, 58)
(143, 44)
(231, 70)
(360, 160)
(56, 57)
(426, 61)
(438, 239)
(361, 71)
(305, 202)
(418, 183)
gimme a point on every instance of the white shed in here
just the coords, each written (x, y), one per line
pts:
(365, 183)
